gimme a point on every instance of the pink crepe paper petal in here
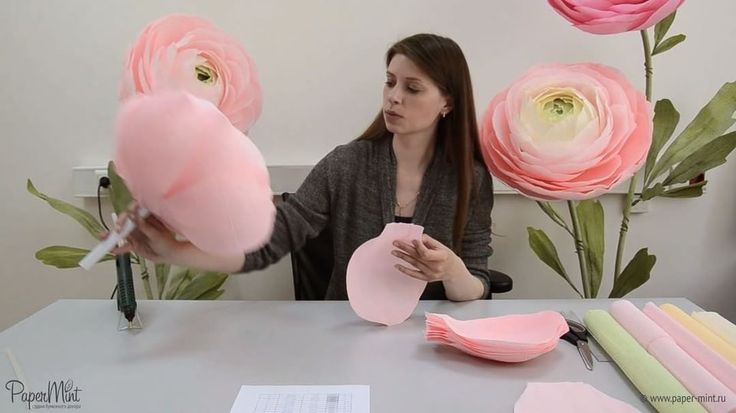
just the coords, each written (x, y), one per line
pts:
(567, 397)
(183, 160)
(377, 291)
(512, 338)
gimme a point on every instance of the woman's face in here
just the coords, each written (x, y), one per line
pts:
(412, 102)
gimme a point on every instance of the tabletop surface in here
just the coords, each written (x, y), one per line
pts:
(193, 356)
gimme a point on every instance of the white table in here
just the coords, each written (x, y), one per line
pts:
(194, 356)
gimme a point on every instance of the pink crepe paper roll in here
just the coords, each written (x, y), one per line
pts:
(718, 366)
(695, 378)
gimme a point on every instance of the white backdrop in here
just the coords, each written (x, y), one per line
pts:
(321, 67)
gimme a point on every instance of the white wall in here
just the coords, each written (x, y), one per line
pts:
(321, 67)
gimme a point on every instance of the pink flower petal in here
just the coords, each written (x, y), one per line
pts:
(183, 160)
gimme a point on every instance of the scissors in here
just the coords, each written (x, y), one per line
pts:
(578, 336)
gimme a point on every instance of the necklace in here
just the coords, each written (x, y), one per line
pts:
(401, 207)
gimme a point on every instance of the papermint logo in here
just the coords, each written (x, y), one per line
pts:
(62, 394)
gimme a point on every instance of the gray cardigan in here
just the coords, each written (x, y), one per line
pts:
(352, 189)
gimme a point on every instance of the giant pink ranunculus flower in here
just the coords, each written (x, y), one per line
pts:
(566, 131)
(614, 16)
(189, 53)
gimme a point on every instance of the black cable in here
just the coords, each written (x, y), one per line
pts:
(104, 182)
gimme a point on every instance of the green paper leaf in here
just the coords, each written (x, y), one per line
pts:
(201, 284)
(668, 44)
(710, 123)
(64, 257)
(635, 274)
(550, 211)
(162, 276)
(666, 118)
(590, 215)
(119, 195)
(546, 251)
(707, 157)
(211, 295)
(690, 191)
(653, 192)
(661, 28)
(86, 219)
(180, 280)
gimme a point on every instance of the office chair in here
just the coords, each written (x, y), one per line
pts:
(311, 268)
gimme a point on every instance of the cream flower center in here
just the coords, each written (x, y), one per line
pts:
(205, 73)
(556, 115)
(557, 104)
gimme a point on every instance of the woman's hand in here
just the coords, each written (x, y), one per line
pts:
(433, 259)
(150, 239)
(436, 262)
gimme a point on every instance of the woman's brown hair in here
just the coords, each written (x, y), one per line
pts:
(443, 61)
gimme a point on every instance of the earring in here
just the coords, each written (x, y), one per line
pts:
(443, 114)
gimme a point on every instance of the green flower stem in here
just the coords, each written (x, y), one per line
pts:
(632, 184)
(580, 250)
(647, 63)
(624, 227)
(146, 278)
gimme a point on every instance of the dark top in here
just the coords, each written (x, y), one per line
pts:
(352, 190)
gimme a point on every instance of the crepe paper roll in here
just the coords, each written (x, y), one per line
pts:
(710, 338)
(721, 368)
(657, 384)
(696, 379)
(717, 324)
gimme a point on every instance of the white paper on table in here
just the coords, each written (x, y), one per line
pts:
(303, 399)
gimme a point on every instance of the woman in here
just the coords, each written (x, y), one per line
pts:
(417, 162)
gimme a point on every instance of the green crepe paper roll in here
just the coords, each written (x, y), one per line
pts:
(644, 371)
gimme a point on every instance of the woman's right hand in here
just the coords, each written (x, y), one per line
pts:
(150, 239)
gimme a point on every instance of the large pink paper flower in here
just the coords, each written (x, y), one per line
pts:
(566, 131)
(189, 53)
(188, 165)
(614, 16)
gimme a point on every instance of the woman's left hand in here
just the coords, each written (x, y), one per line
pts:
(433, 259)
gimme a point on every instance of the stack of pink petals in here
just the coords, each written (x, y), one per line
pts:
(511, 338)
